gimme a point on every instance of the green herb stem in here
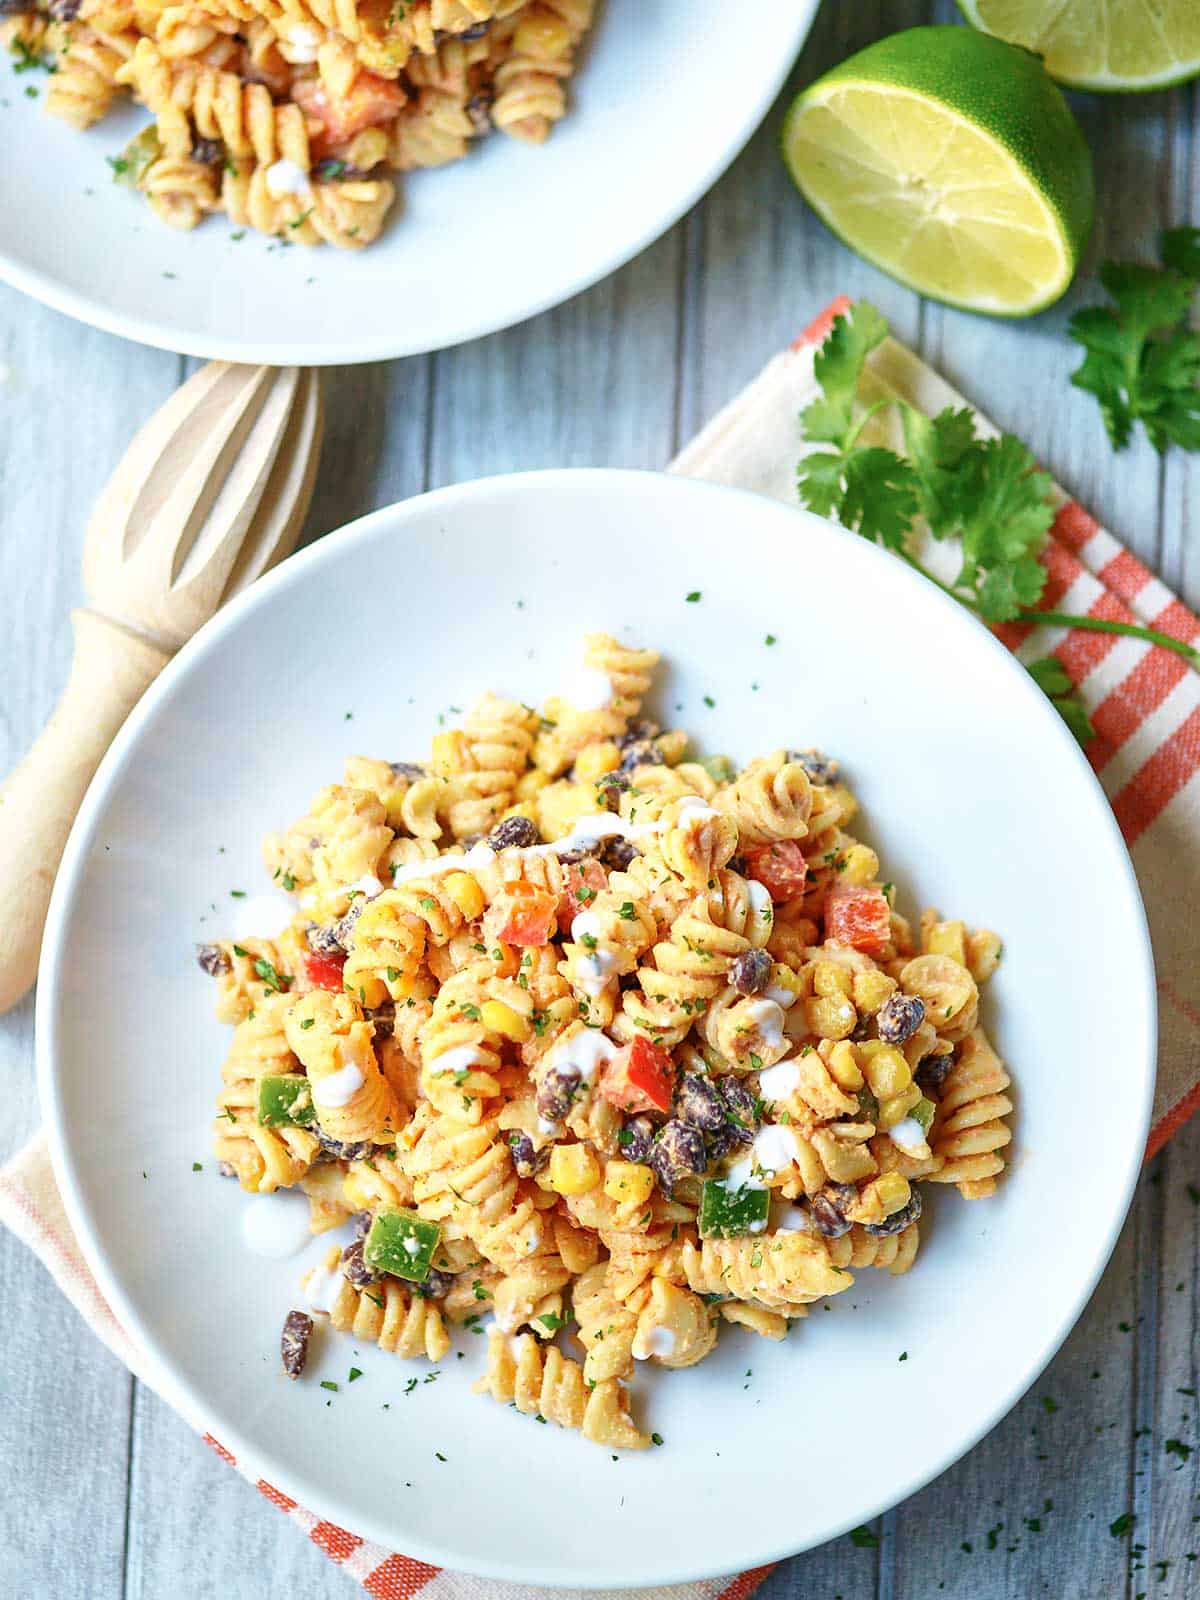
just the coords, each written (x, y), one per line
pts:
(1131, 630)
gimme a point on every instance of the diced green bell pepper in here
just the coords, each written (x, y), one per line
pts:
(868, 1106)
(285, 1102)
(402, 1243)
(726, 1213)
(922, 1112)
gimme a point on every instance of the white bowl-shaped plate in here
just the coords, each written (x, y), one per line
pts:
(667, 93)
(977, 801)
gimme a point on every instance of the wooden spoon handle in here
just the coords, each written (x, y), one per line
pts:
(38, 801)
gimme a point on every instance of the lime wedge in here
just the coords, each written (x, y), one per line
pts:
(950, 160)
(1120, 45)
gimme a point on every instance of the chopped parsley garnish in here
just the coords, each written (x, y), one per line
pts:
(328, 1383)
(864, 1538)
(355, 1372)
(692, 597)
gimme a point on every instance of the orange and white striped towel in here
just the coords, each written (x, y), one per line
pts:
(1145, 705)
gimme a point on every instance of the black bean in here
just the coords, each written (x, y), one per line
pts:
(208, 152)
(212, 959)
(355, 1268)
(479, 109)
(324, 941)
(523, 1154)
(678, 1152)
(933, 1072)
(740, 1107)
(738, 863)
(827, 1208)
(722, 1140)
(750, 972)
(609, 790)
(899, 1017)
(820, 767)
(226, 1169)
(293, 1342)
(514, 833)
(384, 1018)
(697, 1102)
(361, 1221)
(639, 729)
(557, 1090)
(616, 854)
(640, 753)
(435, 1285)
(335, 1150)
(635, 1139)
(407, 769)
(899, 1220)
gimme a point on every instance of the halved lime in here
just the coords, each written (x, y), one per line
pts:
(1120, 45)
(950, 160)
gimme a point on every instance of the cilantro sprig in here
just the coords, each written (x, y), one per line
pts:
(987, 494)
(1143, 360)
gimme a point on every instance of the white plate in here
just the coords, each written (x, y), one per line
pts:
(668, 93)
(978, 802)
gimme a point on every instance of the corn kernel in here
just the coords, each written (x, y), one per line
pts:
(887, 1072)
(861, 865)
(894, 1108)
(529, 783)
(845, 1163)
(594, 760)
(448, 753)
(466, 894)
(573, 1169)
(983, 953)
(628, 1180)
(784, 978)
(893, 1191)
(499, 1018)
(832, 980)
(830, 1019)
(843, 1066)
(871, 989)
(945, 939)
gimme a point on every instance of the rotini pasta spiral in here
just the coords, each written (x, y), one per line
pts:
(969, 1129)
(332, 1039)
(770, 801)
(545, 1383)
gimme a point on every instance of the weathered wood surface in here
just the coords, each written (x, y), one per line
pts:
(106, 1493)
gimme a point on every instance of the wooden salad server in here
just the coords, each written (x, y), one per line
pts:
(211, 493)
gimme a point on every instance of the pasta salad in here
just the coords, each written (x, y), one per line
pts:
(290, 115)
(599, 1043)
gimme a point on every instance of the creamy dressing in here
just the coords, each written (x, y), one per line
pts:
(479, 855)
(459, 1059)
(412, 1247)
(321, 1287)
(304, 44)
(550, 1129)
(339, 1088)
(276, 1225)
(794, 1219)
(908, 1136)
(657, 1342)
(368, 885)
(767, 1018)
(760, 900)
(774, 1150)
(776, 1083)
(587, 832)
(262, 916)
(785, 999)
(587, 1050)
(693, 811)
(285, 177)
(587, 689)
(595, 968)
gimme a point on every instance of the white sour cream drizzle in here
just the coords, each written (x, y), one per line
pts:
(461, 1058)
(285, 177)
(596, 967)
(774, 1150)
(304, 44)
(276, 1225)
(776, 1083)
(793, 1219)
(767, 1018)
(368, 885)
(908, 1135)
(339, 1088)
(321, 1287)
(588, 1050)
(760, 900)
(657, 1342)
(785, 999)
(262, 916)
(587, 689)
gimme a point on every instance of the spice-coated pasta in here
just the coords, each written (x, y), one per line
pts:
(289, 115)
(615, 1074)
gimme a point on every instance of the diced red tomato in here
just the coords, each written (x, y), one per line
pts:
(582, 882)
(780, 868)
(324, 972)
(858, 916)
(368, 101)
(522, 915)
(640, 1077)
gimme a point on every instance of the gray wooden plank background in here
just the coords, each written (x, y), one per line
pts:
(106, 1493)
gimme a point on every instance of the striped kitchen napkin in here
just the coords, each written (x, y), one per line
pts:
(1145, 705)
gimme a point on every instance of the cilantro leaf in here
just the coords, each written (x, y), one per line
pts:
(819, 481)
(1053, 679)
(1142, 360)
(837, 367)
(947, 460)
(880, 495)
